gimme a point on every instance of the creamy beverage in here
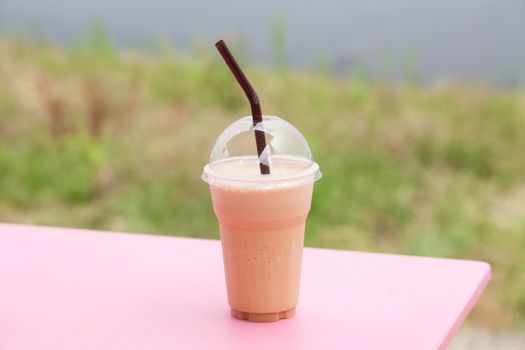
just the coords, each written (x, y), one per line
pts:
(262, 221)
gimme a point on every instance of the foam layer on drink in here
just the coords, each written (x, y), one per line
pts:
(244, 172)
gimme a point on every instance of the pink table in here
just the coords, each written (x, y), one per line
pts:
(79, 289)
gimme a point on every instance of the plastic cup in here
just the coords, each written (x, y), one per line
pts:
(261, 217)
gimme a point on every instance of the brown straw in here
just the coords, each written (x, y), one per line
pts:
(255, 105)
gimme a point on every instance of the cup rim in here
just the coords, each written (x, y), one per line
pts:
(310, 174)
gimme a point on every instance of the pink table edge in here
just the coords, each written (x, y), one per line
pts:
(456, 324)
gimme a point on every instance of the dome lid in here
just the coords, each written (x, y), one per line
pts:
(234, 160)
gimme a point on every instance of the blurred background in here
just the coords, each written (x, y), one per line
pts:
(414, 110)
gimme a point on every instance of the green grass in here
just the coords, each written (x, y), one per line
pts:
(406, 169)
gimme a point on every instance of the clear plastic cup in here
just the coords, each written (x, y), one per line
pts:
(261, 217)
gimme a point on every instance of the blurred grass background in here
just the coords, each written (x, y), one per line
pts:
(92, 137)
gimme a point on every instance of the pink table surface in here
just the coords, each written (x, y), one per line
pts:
(79, 289)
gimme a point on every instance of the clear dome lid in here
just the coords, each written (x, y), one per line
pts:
(234, 160)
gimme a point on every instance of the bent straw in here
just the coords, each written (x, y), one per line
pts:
(255, 105)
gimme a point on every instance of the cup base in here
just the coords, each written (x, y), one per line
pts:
(266, 317)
